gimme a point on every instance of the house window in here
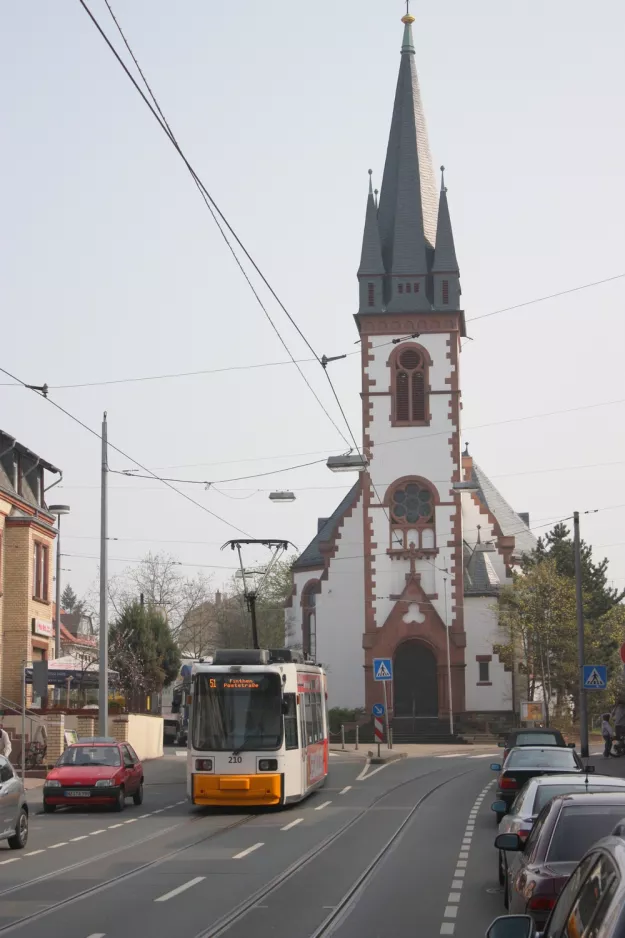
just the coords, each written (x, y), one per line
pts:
(415, 287)
(400, 288)
(309, 618)
(409, 379)
(371, 294)
(484, 667)
(445, 292)
(408, 288)
(40, 571)
(412, 516)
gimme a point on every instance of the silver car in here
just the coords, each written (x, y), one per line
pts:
(534, 796)
(13, 807)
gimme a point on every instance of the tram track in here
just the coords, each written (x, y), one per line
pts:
(336, 916)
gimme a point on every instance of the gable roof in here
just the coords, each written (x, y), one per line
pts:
(312, 556)
(509, 521)
(480, 577)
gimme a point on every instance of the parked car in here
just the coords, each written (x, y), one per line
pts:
(534, 736)
(591, 903)
(97, 771)
(13, 807)
(566, 828)
(534, 796)
(529, 761)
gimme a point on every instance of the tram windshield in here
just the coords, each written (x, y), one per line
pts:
(237, 711)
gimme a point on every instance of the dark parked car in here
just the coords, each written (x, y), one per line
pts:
(534, 737)
(592, 902)
(534, 796)
(565, 829)
(523, 764)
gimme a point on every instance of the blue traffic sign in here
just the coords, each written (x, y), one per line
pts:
(595, 677)
(382, 669)
(378, 710)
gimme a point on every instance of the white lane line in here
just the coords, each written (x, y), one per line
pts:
(63, 843)
(346, 789)
(452, 755)
(184, 801)
(101, 831)
(464, 855)
(159, 811)
(12, 860)
(33, 853)
(141, 816)
(360, 777)
(74, 840)
(457, 884)
(181, 753)
(483, 755)
(132, 820)
(324, 805)
(245, 853)
(179, 889)
(461, 864)
(365, 774)
(97, 935)
(459, 872)
(454, 897)
(451, 911)
(447, 928)
(113, 826)
(294, 823)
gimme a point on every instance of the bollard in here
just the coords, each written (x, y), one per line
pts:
(390, 738)
(356, 746)
(342, 736)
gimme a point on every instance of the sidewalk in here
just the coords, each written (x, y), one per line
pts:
(415, 750)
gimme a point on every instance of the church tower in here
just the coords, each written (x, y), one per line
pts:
(410, 323)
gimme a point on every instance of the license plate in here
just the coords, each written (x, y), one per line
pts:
(78, 794)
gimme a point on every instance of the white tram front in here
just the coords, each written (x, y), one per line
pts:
(258, 731)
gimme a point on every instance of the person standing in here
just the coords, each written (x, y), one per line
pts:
(606, 732)
(5, 743)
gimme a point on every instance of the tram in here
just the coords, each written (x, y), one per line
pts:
(258, 729)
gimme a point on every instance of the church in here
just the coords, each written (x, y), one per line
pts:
(410, 564)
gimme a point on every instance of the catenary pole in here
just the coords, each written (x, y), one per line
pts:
(104, 665)
(583, 711)
(449, 690)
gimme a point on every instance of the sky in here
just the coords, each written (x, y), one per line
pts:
(112, 268)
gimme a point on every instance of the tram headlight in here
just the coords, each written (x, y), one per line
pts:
(267, 765)
(203, 765)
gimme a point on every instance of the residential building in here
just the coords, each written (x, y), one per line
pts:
(27, 536)
(409, 565)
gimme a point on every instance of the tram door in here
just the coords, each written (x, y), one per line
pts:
(303, 740)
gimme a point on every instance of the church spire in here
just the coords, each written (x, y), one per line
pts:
(371, 271)
(446, 275)
(408, 200)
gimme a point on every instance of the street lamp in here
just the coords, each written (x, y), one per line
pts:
(465, 487)
(58, 510)
(282, 497)
(348, 463)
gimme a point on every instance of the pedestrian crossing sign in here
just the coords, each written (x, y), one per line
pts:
(382, 669)
(595, 677)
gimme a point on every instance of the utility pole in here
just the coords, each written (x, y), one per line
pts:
(103, 690)
(583, 711)
(449, 688)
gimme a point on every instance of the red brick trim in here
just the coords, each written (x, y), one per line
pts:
(484, 684)
(483, 657)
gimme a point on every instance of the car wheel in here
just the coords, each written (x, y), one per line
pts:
(19, 838)
(138, 795)
(120, 802)
(502, 871)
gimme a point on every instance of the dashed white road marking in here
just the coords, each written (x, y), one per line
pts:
(452, 755)
(141, 816)
(451, 911)
(454, 897)
(244, 853)
(132, 820)
(63, 843)
(97, 935)
(346, 789)
(447, 928)
(366, 774)
(323, 805)
(483, 755)
(179, 889)
(294, 823)
(181, 753)
(101, 831)
(33, 853)
(12, 860)
(113, 826)
(457, 884)
(74, 840)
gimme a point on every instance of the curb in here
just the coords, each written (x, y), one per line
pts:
(389, 757)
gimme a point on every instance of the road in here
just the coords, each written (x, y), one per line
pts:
(400, 849)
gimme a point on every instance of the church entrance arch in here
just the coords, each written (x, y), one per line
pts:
(415, 681)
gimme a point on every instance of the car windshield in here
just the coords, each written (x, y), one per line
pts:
(580, 827)
(237, 711)
(90, 755)
(536, 739)
(548, 759)
(546, 792)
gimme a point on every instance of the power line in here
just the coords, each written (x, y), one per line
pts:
(212, 206)
(208, 484)
(126, 455)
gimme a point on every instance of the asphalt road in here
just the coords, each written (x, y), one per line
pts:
(402, 849)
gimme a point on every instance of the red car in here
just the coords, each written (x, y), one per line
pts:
(97, 772)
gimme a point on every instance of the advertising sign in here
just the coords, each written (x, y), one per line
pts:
(41, 627)
(532, 711)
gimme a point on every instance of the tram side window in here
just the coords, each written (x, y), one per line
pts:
(310, 718)
(290, 722)
(318, 718)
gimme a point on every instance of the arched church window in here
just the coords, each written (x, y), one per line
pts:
(409, 386)
(309, 618)
(412, 511)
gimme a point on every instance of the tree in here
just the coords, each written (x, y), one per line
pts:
(143, 652)
(68, 598)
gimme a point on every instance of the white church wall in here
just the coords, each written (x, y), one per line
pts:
(482, 631)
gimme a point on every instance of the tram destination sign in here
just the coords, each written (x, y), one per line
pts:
(227, 682)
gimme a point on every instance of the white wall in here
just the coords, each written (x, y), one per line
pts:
(482, 631)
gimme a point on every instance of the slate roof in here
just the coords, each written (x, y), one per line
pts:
(312, 556)
(480, 577)
(507, 518)
(371, 256)
(445, 261)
